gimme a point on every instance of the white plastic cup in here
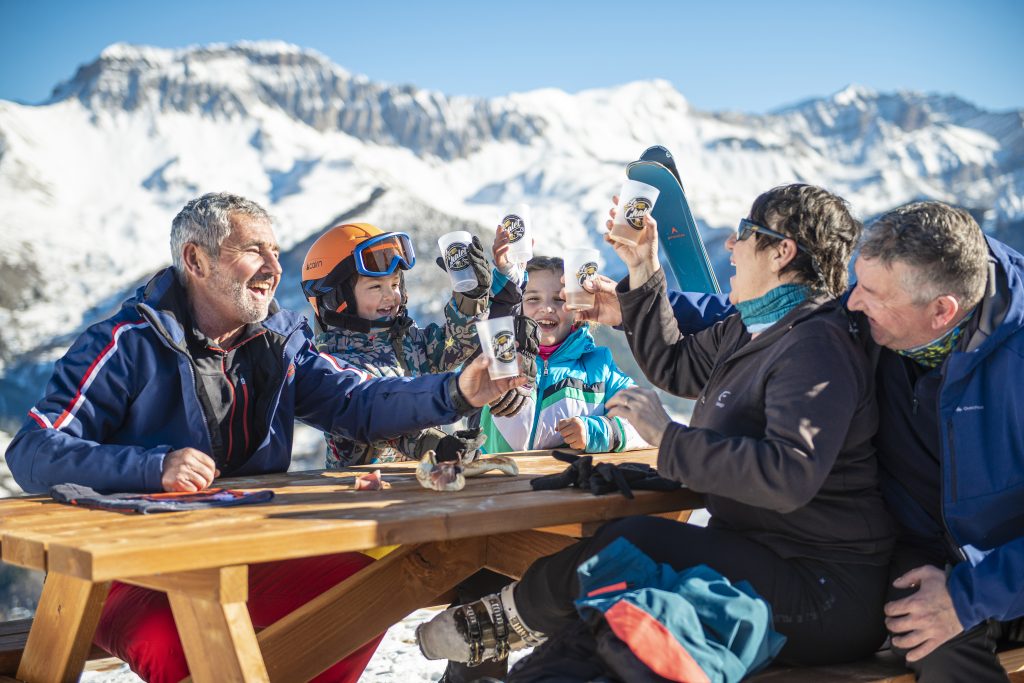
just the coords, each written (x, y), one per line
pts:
(580, 265)
(454, 248)
(517, 225)
(636, 199)
(498, 343)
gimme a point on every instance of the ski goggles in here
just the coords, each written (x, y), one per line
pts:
(384, 254)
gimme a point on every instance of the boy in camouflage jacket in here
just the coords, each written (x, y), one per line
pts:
(354, 281)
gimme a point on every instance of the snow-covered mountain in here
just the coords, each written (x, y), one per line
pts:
(90, 179)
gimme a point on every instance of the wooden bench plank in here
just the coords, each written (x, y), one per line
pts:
(884, 667)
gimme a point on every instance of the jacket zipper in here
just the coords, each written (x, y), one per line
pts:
(536, 405)
(195, 390)
(231, 416)
(948, 437)
(245, 412)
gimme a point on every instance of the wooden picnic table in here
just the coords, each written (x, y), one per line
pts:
(200, 559)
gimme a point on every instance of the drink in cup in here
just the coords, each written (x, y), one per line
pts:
(517, 225)
(636, 199)
(498, 343)
(455, 252)
(580, 267)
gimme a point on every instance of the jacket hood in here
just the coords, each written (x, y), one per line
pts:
(579, 342)
(1002, 309)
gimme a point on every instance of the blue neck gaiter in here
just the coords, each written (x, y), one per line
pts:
(761, 313)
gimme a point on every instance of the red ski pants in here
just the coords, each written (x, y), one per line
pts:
(137, 625)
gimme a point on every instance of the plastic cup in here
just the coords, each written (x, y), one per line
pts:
(636, 199)
(580, 266)
(517, 224)
(498, 343)
(455, 252)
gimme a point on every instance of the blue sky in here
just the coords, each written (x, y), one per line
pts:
(749, 56)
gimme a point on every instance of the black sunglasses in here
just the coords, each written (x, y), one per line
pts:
(746, 228)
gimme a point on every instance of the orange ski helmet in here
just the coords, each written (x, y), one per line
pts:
(342, 252)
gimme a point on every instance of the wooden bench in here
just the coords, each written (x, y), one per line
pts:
(882, 668)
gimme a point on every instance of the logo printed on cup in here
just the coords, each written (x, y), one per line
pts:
(586, 272)
(457, 256)
(635, 210)
(514, 226)
(504, 346)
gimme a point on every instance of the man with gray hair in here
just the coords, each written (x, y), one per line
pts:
(946, 312)
(199, 375)
(945, 308)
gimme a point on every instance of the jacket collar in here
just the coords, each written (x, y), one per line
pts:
(163, 301)
(579, 342)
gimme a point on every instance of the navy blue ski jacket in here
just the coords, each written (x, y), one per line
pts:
(124, 395)
(981, 412)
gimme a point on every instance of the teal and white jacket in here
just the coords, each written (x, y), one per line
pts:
(574, 382)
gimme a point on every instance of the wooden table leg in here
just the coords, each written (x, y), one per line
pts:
(333, 625)
(62, 630)
(214, 625)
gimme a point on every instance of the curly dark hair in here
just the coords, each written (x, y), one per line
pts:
(943, 244)
(817, 220)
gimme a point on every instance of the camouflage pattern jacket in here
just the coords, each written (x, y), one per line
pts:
(404, 350)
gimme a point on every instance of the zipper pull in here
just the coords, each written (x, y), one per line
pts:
(545, 368)
(915, 404)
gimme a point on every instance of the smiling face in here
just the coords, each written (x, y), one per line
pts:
(755, 275)
(541, 301)
(236, 289)
(378, 297)
(897, 321)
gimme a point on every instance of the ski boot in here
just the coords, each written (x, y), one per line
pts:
(483, 630)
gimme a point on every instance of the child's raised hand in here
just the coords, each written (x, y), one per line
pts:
(574, 432)
(500, 249)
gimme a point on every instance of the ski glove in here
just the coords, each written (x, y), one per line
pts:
(603, 477)
(481, 269)
(463, 446)
(528, 341)
(511, 402)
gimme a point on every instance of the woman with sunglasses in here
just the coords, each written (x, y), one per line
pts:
(779, 440)
(354, 280)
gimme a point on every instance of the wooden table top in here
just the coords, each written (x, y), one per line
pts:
(312, 513)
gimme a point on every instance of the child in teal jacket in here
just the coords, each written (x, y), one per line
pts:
(574, 379)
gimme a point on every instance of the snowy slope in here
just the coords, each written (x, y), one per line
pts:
(90, 180)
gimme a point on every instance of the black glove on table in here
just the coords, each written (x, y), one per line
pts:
(463, 446)
(603, 477)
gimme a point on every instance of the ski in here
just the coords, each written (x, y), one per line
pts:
(682, 248)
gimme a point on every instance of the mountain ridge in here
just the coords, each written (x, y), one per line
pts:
(91, 179)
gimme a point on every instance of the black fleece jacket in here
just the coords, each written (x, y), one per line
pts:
(780, 437)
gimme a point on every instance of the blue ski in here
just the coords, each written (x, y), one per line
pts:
(681, 246)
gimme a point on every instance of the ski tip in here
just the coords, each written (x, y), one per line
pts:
(661, 155)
